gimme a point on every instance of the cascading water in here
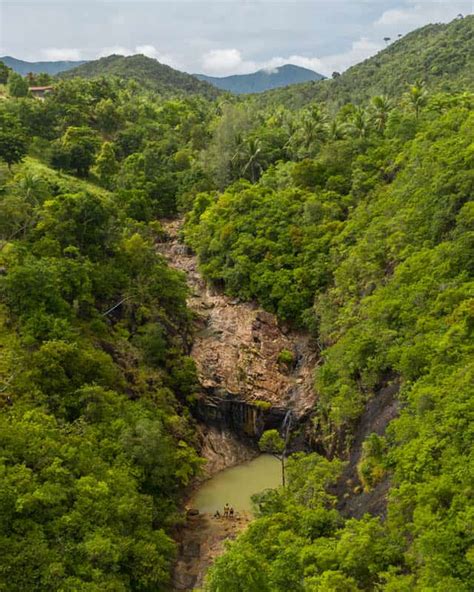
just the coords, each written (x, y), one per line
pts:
(286, 426)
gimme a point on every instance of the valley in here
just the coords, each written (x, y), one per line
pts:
(204, 295)
(246, 389)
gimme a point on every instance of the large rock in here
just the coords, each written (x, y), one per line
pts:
(237, 344)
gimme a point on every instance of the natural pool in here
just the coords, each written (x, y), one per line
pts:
(236, 485)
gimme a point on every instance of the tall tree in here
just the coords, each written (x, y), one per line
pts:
(359, 122)
(17, 85)
(13, 143)
(106, 164)
(77, 150)
(417, 97)
(381, 106)
(4, 73)
(272, 443)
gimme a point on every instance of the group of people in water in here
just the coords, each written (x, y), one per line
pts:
(228, 512)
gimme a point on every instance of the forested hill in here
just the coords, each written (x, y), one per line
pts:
(263, 79)
(442, 55)
(354, 224)
(147, 72)
(25, 68)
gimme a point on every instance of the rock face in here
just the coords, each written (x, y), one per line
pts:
(247, 387)
(222, 449)
(379, 412)
(237, 349)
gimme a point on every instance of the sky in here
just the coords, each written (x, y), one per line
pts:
(219, 37)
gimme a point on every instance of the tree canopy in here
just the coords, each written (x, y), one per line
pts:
(349, 217)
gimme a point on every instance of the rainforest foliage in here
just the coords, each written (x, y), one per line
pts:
(364, 237)
(441, 54)
(352, 223)
(147, 72)
(95, 437)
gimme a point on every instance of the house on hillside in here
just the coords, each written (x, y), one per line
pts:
(39, 92)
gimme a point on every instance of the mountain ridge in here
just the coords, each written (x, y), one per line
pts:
(262, 79)
(24, 67)
(442, 55)
(144, 70)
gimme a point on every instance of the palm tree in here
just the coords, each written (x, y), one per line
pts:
(337, 130)
(313, 129)
(359, 123)
(30, 186)
(381, 107)
(247, 153)
(417, 97)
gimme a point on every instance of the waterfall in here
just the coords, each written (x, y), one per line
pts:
(286, 426)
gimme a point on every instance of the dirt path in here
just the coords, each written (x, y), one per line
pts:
(202, 539)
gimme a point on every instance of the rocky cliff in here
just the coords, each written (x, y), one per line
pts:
(252, 369)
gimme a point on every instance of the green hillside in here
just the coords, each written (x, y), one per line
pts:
(147, 72)
(97, 443)
(24, 68)
(364, 238)
(441, 55)
(353, 224)
(262, 80)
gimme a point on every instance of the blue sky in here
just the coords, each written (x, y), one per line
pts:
(219, 37)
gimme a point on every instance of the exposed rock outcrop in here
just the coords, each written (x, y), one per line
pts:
(379, 411)
(247, 387)
(222, 449)
(237, 345)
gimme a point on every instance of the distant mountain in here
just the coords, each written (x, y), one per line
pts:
(442, 55)
(25, 68)
(262, 80)
(147, 72)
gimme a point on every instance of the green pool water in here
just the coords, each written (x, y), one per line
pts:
(236, 485)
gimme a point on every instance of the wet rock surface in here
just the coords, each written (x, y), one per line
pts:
(379, 412)
(222, 450)
(237, 345)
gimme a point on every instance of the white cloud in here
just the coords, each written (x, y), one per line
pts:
(151, 52)
(360, 50)
(421, 13)
(114, 49)
(223, 62)
(147, 50)
(270, 69)
(315, 64)
(400, 17)
(60, 53)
